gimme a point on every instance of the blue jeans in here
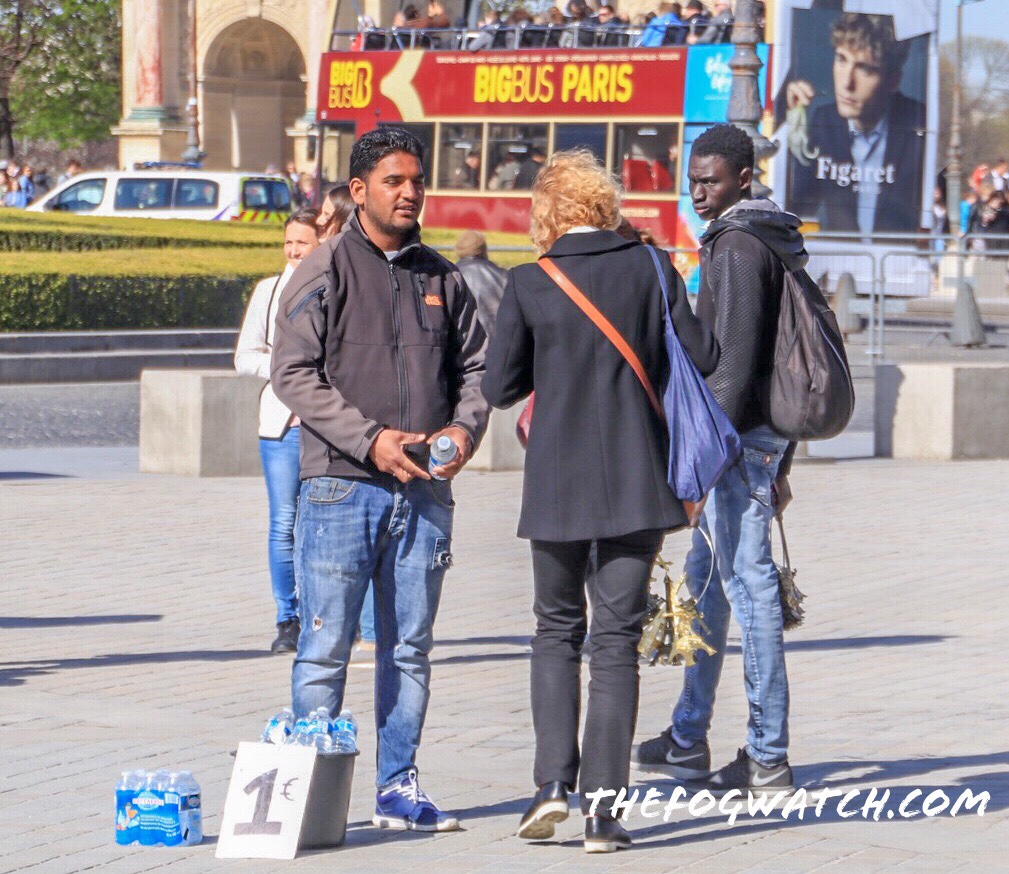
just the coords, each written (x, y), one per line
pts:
(738, 517)
(350, 532)
(282, 469)
(367, 629)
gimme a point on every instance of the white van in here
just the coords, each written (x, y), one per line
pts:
(173, 194)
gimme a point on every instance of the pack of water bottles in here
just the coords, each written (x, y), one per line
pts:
(158, 807)
(329, 736)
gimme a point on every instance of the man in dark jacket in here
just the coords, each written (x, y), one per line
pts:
(378, 351)
(483, 277)
(744, 253)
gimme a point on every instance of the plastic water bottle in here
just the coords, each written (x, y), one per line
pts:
(127, 812)
(151, 802)
(279, 728)
(345, 733)
(319, 727)
(301, 733)
(190, 809)
(443, 450)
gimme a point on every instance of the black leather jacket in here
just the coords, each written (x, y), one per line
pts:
(743, 258)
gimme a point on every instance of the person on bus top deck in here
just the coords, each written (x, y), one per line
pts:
(746, 249)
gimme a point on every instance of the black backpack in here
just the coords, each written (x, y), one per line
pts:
(809, 393)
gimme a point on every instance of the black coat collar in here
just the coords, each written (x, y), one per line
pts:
(588, 243)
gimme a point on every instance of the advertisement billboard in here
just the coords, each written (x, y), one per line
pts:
(852, 104)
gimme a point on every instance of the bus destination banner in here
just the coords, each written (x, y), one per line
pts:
(370, 88)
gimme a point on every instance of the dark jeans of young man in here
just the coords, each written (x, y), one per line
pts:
(618, 592)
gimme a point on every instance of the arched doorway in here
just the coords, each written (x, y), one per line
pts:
(253, 88)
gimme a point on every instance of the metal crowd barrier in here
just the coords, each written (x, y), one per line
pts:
(919, 258)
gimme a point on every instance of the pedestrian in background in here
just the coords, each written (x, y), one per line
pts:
(595, 476)
(13, 196)
(337, 207)
(279, 428)
(485, 278)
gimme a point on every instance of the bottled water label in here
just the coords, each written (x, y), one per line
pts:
(152, 809)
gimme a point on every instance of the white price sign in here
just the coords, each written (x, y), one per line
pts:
(266, 801)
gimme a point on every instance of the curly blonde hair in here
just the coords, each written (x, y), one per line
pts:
(572, 189)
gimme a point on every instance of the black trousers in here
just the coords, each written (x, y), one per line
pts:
(618, 592)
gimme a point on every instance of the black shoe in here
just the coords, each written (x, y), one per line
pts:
(747, 776)
(549, 807)
(663, 755)
(287, 636)
(604, 835)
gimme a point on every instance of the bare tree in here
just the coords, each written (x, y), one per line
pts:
(985, 99)
(21, 27)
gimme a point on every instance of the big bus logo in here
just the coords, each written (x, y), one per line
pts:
(349, 84)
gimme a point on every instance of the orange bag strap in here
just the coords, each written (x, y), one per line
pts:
(606, 326)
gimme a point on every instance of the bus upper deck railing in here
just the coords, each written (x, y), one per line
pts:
(504, 37)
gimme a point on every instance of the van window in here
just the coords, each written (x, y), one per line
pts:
(82, 197)
(272, 195)
(195, 194)
(144, 193)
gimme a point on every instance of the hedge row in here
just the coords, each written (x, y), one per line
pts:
(46, 232)
(211, 261)
(52, 302)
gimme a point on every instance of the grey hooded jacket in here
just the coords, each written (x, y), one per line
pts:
(364, 343)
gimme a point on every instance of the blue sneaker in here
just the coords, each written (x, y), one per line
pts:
(405, 806)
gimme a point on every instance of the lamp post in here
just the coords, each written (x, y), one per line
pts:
(193, 153)
(967, 328)
(745, 104)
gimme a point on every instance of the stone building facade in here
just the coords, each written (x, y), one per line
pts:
(257, 65)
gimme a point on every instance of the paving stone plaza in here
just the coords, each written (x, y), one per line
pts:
(138, 615)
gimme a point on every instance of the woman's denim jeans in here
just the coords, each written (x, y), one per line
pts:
(738, 516)
(351, 532)
(282, 469)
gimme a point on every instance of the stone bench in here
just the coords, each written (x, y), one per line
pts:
(942, 411)
(199, 423)
(206, 423)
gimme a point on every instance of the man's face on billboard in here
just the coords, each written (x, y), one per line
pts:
(862, 86)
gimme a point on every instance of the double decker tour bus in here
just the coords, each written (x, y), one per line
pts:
(488, 119)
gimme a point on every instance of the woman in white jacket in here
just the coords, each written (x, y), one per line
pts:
(279, 429)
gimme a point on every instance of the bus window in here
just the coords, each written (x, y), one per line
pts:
(515, 154)
(459, 158)
(82, 197)
(647, 156)
(195, 194)
(424, 133)
(271, 195)
(581, 136)
(144, 193)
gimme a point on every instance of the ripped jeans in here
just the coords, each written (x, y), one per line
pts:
(738, 517)
(350, 531)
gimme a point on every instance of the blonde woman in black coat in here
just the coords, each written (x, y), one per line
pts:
(595, 476)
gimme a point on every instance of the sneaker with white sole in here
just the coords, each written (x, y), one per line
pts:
(663, 755)
(747, 776)
(405, 806)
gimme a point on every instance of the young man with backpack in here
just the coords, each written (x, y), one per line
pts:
(749, 247)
